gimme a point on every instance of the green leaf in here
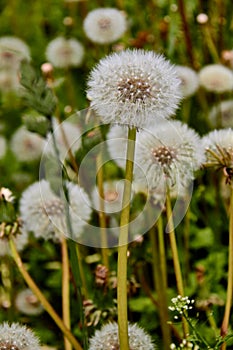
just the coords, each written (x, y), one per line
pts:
(36, 92)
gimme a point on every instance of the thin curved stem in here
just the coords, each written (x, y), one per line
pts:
(47, 306)
(123, 245)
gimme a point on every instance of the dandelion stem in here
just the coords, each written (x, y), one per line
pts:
(226, 317)
(65, 290)
(47, 306)
(175, 256)
(160, 288)
(162, 253)
(123, 245)
(101, 212)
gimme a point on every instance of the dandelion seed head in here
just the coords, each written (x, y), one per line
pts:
(189, 80)
(134, 87)
(105, 25)
(43, 212)
(168, 154)
(107, 338)
(224, 112)
(27, 303)
(216, 78)
(26, 146)
(17, 337)
(64, 53)
(12, 51)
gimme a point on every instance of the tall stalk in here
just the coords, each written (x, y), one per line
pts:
(226, 317)
(65, 290)
(123, 245)
(175, 256)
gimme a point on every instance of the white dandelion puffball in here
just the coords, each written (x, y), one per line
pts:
(67, 136)
(113, 196)
(27, 303)
(107, 338)
(12, 51)
(220, 143)
(21, 241)
(105, 25)
(17, 337)
(223, 112)
(134, 87)
(168, 155)
(3, 146)
(64, 53)
(43, 212)
(216, 78)
(26, 145)
(189, 80)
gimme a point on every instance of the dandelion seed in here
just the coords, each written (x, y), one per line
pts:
(64, 53)
(17, 337)
(105, 25)
(107, 338)
(134, 87)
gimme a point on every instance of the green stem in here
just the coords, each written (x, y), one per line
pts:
(47, 306)
(123, 245)
(101, 212)
(175, 256)
(162, 254)
(160, 288)
(65, 291)
(226, 317)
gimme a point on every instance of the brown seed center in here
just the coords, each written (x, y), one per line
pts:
(104, 23)
(134, 89)
(164, 155)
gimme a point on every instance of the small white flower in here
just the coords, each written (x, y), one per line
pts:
(43, 212)
(6, 194)
(105, 25)
(189, 80)
(3, 146)
(222, 114)
(67, 136)
(107, 338)
(27, 303)
(26, 146)
(64, 53)
(216, 78)
(168, 155)
(17, 337)
(12, 51)
(134, 87)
